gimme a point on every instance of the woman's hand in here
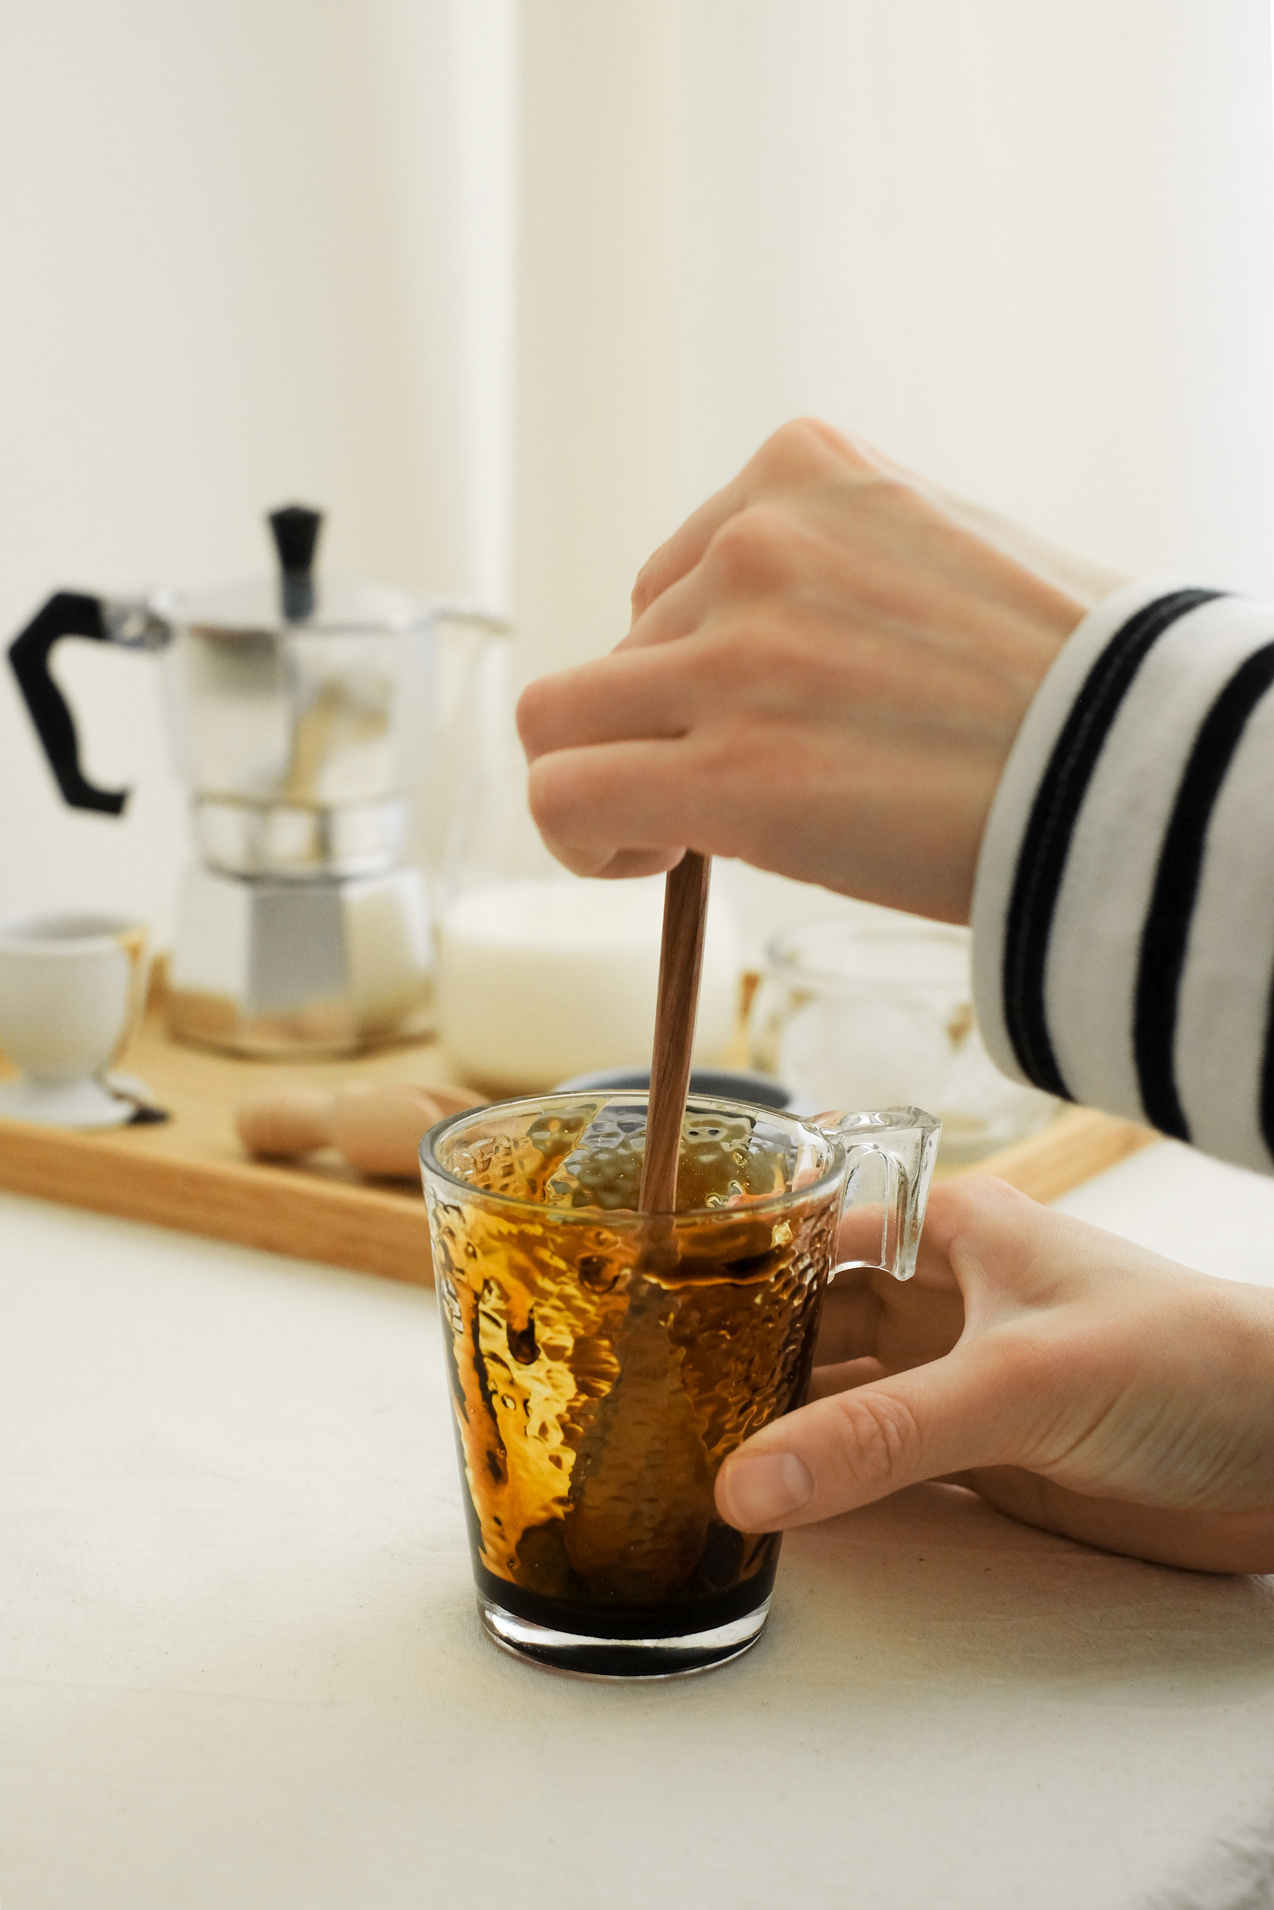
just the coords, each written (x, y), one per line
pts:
(827, 666)
(1075, 1381)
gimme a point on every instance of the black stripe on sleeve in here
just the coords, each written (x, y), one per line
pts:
(1267, 1075)
(1167, 924)
(1046, 841)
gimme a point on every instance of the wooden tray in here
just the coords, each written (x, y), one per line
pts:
(191, 1173)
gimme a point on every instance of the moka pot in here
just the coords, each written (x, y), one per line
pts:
(302, 717)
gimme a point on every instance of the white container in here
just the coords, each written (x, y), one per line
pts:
(543, 978)
(71, 991)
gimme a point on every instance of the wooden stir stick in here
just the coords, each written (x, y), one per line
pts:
(680, 960)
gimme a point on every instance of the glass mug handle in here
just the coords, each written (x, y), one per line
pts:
(891, 1156)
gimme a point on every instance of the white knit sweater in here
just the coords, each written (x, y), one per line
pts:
(1123, 920)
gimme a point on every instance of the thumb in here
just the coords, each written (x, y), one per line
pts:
(845, 1450)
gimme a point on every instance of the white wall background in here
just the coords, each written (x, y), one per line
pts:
(249, 253)
(255, 251)
(1026, 248)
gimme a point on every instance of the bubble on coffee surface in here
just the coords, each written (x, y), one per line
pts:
(723, 1159)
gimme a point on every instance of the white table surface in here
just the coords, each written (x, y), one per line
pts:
(240, 1664)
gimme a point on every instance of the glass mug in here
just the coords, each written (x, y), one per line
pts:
(603, 1362)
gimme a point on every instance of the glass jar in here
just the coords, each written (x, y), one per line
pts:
(851, 1015)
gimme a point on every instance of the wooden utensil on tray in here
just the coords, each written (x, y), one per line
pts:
(376, 1125)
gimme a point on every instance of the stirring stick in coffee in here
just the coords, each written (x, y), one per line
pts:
(680, 960)
(628, 1524)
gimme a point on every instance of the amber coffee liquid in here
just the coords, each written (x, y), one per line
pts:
(603, 1366)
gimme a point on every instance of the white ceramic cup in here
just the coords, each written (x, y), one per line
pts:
(71, 990)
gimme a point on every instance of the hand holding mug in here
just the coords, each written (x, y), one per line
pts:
(1073, 1380)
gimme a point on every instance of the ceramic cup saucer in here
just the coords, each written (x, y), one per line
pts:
(64, 1103)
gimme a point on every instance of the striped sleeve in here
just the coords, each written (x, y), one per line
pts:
(1123, 918)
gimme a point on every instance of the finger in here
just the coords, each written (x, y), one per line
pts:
(973, 1224)
(602, 865)
(641, 688)
(762, 551)
(677, 612)
(933, 1263)
(730, 789)
(686, 546)
(863, 1235)
(627, 695)
(851, 1448)
(804, 448)
(593, 802)
(825, 1380)
(1200, 1540)
(627, 865)
(849, 1322)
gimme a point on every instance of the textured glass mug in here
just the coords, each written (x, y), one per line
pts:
(603, 1362)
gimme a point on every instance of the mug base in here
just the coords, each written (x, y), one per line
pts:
(620, 1660)
(63, 1103)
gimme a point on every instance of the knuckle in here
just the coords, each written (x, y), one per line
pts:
(881, 1440)
(771, 668)
(749, 554)
(791, 448)
(648, 585)
(800, 447)
(849, 446)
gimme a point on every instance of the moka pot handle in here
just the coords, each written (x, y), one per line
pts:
(70, 613)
